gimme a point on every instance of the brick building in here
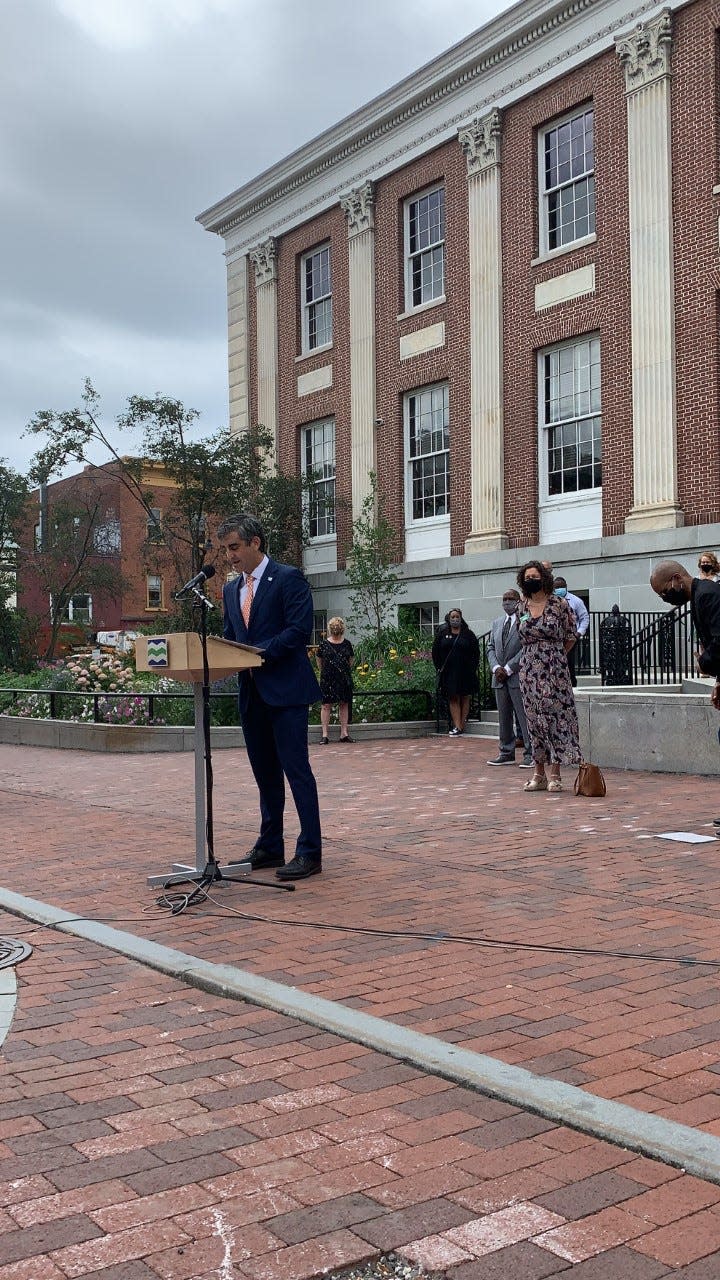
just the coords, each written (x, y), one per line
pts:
(119, 533)
(496, 285)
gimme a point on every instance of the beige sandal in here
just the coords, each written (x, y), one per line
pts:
(537, 783)
(554, 784)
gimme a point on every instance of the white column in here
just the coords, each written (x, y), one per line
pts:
(238, 346)
(264, 261)
(645, 55)
(358, 207)
(480, 142)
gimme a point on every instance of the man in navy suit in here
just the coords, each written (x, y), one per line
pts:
(269, 605)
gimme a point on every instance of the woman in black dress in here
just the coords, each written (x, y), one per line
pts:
(334, 658)
(456, 654)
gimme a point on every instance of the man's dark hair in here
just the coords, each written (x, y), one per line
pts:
(560, 582)
(245, 526)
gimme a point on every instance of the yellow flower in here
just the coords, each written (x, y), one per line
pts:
(393, 653)
(401, 672)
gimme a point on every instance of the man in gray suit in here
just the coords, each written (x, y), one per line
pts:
(503, 653)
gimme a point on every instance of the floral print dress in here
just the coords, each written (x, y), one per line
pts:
(547, 693)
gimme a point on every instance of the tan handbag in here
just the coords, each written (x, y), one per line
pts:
(589, 781)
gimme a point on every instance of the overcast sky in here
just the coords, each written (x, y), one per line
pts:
(124, 119)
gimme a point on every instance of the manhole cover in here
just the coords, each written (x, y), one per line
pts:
(12, 952)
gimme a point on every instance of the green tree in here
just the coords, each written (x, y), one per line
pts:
(13, 626)
(373, 582)
(213, 476)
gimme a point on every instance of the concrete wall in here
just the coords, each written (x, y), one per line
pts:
(65, 735)
(668, 732)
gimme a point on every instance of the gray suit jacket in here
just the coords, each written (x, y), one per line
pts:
(504, 656)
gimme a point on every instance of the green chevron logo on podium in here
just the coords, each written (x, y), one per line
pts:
(157, 651)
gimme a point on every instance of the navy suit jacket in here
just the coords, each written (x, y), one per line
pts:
(281, 623)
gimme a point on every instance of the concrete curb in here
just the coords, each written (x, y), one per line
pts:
(678, 1145)
(8, 1000)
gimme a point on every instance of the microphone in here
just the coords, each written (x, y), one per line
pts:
(207, 571)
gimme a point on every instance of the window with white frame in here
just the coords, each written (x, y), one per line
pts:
(316, 286)
(154, 591)
(318, 466)
(425, 247)
(570, 417)
(420, 617)
(427, 444)
(80, 608)
(567, 180)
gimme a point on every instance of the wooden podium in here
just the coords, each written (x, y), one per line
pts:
(179, 655)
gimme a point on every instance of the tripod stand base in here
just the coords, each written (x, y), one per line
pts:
(213, 874)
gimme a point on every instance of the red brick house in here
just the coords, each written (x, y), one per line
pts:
(109, 528)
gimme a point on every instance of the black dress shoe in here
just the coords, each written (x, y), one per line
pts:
(258, 858)
(299, 869)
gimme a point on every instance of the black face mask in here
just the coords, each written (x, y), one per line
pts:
(531, 585)
(674, 596)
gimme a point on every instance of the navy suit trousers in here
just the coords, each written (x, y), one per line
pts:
(277, 745)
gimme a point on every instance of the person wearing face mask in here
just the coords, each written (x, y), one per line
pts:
(582, 620)
(547, 633)
(676, 586)
(503, 652)
(456, 654)
(709, 566)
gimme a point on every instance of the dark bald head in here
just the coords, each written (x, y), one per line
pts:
(669, 578)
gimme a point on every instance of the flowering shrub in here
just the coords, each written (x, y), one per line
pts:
(34, 706)
(126, 711)
(105, 673)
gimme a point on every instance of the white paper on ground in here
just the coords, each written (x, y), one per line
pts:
(686, 837)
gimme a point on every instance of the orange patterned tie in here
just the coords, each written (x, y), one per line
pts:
(247, 602)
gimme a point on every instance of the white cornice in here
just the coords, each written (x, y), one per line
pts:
(505, 60)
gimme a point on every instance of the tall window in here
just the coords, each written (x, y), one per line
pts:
(154, 525)
(427, 419)
(319, 631)
(425, 248)
(317, 299)
(318, 464)
(107, 536)
(80, 608)
(570, 416)
(567, 181)
(154, 591)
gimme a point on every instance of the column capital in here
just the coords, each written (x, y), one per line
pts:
(480, 141)
(645, 53)
(264, 260)
(358, 207)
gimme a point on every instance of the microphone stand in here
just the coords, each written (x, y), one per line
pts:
(212, 871)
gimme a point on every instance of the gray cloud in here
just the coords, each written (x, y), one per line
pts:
(121, 121)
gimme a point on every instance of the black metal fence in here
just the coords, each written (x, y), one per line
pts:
(634, 648)
(70, 704)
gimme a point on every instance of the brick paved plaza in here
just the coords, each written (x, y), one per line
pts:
(149, 1129)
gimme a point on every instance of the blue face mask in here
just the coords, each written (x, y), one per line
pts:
(561, 592)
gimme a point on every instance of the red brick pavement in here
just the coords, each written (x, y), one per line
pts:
(420, 837)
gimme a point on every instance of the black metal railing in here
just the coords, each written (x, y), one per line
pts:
(633, 648)
(63, 704)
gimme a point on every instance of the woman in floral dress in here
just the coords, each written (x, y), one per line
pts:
(547, 634)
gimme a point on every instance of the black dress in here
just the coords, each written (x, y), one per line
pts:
(456, 661)
(335, 675)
